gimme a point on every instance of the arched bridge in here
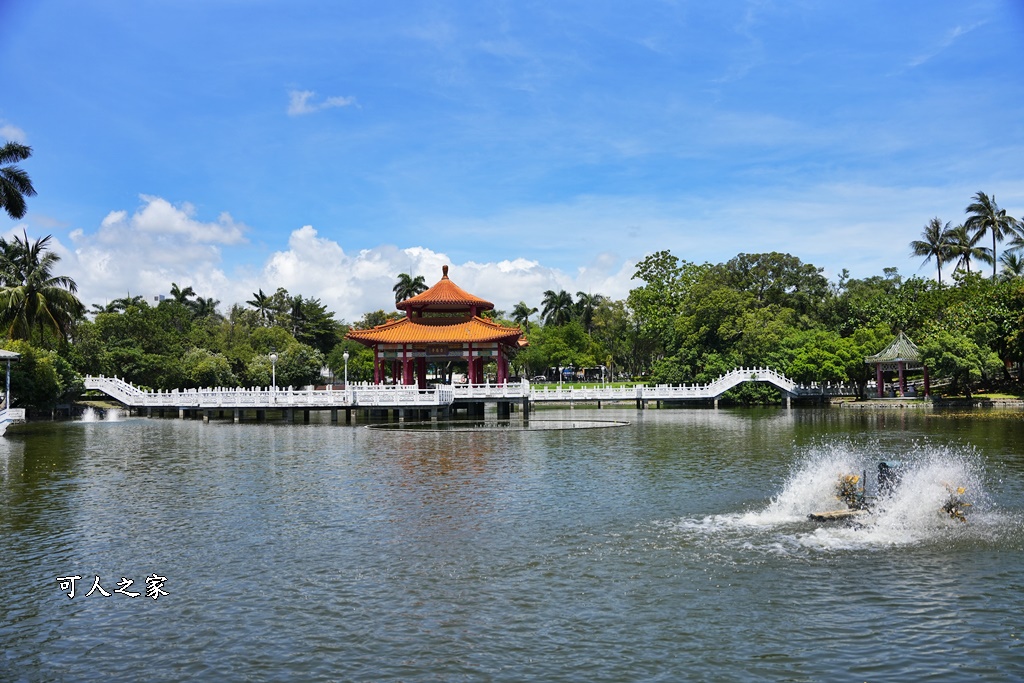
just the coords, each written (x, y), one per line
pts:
(439, 396)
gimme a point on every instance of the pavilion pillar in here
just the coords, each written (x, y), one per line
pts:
(927, 383)
(502, 367)
(879, 380)
(421, 373)
(470, 368)
(376, 366)
(903, 379)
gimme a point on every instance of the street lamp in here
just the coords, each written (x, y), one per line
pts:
(345, 356)
(273, 372)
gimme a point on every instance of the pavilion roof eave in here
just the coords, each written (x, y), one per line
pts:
(901, 350)
(437, 331)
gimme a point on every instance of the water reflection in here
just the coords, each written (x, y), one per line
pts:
(674, 547)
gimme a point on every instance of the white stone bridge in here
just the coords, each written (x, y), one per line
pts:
(440, 398)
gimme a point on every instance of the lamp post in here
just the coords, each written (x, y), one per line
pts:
(273, 374)
(345, 356)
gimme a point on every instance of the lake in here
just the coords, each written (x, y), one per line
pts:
(676, 547)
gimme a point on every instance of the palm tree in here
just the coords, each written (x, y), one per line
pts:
(31, 296)
(521, 315)
(934, 242)
(556, 308)
(126, 302)
(205, 308)
(963, 247)
(585, 306)
(1013, 265)
(15, 184)
(182, 295)
(987, 218)
(408, 287)
(264, 306)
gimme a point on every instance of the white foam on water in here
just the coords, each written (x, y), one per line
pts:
(93, 415)
(910, 513)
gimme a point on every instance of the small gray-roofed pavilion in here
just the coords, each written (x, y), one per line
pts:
(899, 356)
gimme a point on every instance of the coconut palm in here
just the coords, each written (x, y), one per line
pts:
(986, 218)
(126, 302)
(1013, 265)
(585, 306)
(205, 308)
(264, 306)
(963, 247)
(934, 243)
(408, 287)
(15, 184)
(521, 313)
(556, 307)
(182, 296)
(32, 298)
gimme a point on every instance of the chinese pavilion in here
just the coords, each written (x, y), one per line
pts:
(899, 356)
(440, 325)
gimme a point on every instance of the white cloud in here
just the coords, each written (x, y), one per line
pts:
(144, 252)
(301, 102)
(352, 285)
(12, 133)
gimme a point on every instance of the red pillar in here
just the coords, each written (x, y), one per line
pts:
(903, 379)
(880, 380)
(927, 384)
(470, 368)
(376, 366)
(406, 366)
(421, 373)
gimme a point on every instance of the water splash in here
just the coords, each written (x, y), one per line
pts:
(91, 414)
(908, 513)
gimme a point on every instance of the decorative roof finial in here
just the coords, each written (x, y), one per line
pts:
(444, 271)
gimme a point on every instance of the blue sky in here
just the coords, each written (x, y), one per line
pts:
(326, 147)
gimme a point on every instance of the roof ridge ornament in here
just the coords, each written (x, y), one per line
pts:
(444, 272)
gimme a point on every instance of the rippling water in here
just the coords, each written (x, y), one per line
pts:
(677, 547)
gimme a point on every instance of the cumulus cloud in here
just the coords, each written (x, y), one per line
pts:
(354, 284)
(144, 252)
(302, 102)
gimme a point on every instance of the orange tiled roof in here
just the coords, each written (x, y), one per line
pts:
(436, 331)
(445, 296)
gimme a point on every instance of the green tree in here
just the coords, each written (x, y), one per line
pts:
(958, 359)
(264, 306)
(408, 286)
(360, 361)
(36, 381)
(585, 306)
(934, 243)
(521, 313)
(986, 218)
(556, 307)
(15, 183)
(204, 368)
(32, 299)
(182, 296)
(963, 246)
